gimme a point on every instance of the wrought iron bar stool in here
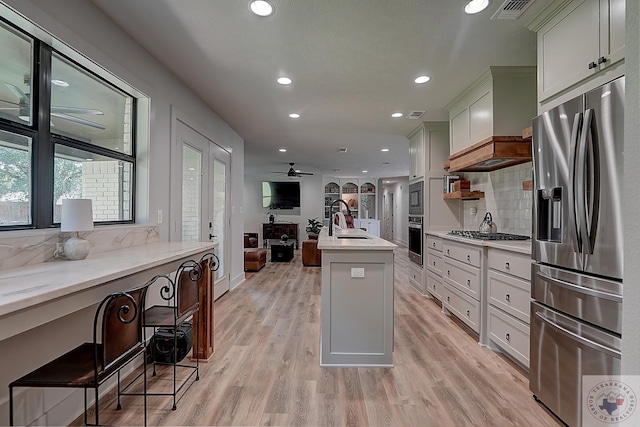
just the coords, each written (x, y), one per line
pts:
(118, 338)
(181, 295)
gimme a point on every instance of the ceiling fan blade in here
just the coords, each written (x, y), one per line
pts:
(79, 121)
(75, 110)
(17, 92)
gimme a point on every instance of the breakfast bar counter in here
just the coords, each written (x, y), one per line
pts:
(36, 294)
(357, 299)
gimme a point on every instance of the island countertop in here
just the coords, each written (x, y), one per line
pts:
(28, 286)
(367, 242)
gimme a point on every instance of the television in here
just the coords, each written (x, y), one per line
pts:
(280, 195)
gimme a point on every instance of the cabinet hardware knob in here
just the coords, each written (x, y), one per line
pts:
(448, 273)
(507, 337)
(433, 286)
(506, 265)
(447, 251)
(468, 257)
(434, 263)
(468, 313)
(602, 60)
(447, 299)
(592, 65)
(468, 282)
(507, 297)
(434, 244)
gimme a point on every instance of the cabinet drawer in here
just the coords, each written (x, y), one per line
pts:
(434, 261)
(415, 277)
(510, 334)
(462, 306)
(510, 263)
(464, 253)
(434, 285)
(462, 276)
(510, 294)
(434, 243)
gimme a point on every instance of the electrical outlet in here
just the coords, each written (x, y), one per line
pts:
(159, 216)
(357, 272)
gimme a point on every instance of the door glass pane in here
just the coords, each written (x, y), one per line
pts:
(15, 179)
(15, 69)
(79, 174)
(86, 108)
(219, 212)
(191, 187)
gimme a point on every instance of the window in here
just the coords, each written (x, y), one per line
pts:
(64, 133)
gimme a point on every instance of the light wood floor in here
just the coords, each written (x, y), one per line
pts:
(265, 370)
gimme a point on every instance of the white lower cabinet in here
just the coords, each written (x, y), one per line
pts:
(415, 277)
(434, 285)
(510, 334)
(509, 294)
(461, 305)
(462, 282)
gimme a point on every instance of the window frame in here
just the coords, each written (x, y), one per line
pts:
(44, 141)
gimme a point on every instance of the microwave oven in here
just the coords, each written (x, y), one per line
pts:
(416, 199)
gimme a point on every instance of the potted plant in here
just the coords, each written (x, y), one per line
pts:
(313, 228)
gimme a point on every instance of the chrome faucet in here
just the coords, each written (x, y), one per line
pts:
(331, 218)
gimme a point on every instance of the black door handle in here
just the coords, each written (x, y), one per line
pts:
(211, 236)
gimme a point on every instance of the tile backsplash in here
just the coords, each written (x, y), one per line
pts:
(510, 205)
(25, 247)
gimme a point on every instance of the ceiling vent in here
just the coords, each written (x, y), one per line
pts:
(415, 114)
(512, 9)
(342, 150)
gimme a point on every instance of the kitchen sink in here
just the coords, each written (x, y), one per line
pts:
(352, 236)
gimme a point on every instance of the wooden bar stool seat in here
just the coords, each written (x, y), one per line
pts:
(118, 338)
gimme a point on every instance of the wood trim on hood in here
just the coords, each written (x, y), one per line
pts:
(495, 152)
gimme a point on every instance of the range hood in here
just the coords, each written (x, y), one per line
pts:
(492, 153)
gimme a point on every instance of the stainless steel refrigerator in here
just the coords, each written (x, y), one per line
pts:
(576, 280)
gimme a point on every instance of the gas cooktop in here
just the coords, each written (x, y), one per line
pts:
(484, 236)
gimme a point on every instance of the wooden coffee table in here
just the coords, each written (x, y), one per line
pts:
(282, 251)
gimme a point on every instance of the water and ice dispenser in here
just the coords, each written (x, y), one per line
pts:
(549, 214)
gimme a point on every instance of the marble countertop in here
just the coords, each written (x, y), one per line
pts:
(26, 286)
(371, 243)
(519, 246)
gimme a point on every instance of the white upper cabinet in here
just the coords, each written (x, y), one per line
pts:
(416, 154)
(577, 40)
(501, 102)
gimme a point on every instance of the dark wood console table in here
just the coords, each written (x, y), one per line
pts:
(277, 229)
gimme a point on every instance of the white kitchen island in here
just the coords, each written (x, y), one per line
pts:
(357, 299)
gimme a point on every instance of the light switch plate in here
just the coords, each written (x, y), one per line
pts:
(357, 272)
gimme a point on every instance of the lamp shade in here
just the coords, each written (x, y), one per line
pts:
(77, 215)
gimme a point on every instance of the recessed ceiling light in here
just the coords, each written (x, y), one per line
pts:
(384, 150)
(261, 7)
(365, 171)
(60, 83)
(282, 150)
(284, 80)
(396, 115)
(475, 6)
(422, 79)
(294, 115)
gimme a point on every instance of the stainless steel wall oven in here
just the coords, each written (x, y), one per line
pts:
(415, 239)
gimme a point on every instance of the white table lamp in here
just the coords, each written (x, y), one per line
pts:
(77, 216)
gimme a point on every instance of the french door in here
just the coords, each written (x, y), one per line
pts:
(200, 196)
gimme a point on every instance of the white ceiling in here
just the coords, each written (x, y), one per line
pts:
(352, 63)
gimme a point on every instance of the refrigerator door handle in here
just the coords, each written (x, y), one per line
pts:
(581, 191)
(573, 182)
(592, 212)
(586, 291)
(582, 340)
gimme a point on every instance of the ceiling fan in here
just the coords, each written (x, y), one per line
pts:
(56, 111)
(293, 173)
